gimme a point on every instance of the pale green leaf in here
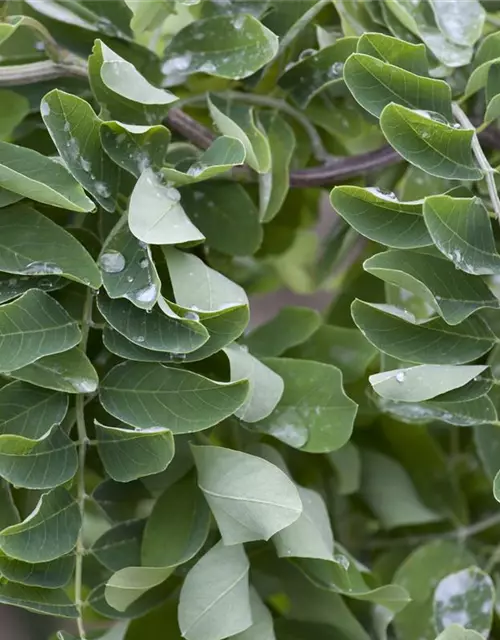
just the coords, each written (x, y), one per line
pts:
(395, 51)
(156, 215)
(33, 326)
(382, 217)
(15, 108)
(314, 413)
(34, 176)
(71, 372)
(151, 395)
(486, 56)
(237, 121)
(437, 148)
(122, 91)
(26, 236)
(129, 584)
(461, 230)
(457, 632)
(222, 46)
(50, 531)
(127, 454)
(74, 129)
(148, 15)
(424, 382)
(251, 499)
(431, 342)
(461, 23)
(346, 463)
(262, 621)
(52, 602)
(266, 386)
(223, 154)
(215, 600)
(467, 598)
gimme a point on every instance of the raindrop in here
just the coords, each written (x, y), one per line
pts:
(67, 126)
(86, 166)
(400, 376)
(102, 189)
(179, 63)
(83, 385)
(239, 22)
(130, 278)
(342, 561)
(207, 67)
(12, 282)
(173, 194)
(144, 263)
(191, 315)
(42, 269)
(306, 53)
(196, 169)
(336, 70)
(147, 294)
(112, 262)
(44, 108)
(383, 193)
(139, 338)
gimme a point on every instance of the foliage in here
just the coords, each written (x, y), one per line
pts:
(165, 471)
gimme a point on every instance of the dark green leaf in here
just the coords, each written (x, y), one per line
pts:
(437, 148)
(381, 217)
(142, 395)
(50, 575)
(431, 342)
(120, 546)
(33, 326)
(222, 46)
(405, 55)
(52, 602)
(74, 128)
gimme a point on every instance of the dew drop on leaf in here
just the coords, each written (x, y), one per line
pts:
(112, 262)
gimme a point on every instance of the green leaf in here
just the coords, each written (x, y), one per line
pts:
(12, 287)
(120, 546)
(251, 499)
(147, 15)
(461, 230)
(225, 214)
(206, 292)
(388, 490)
(419, 574)
(431, 342)
(345, 348)
(71, 372)
(135, 147)
(453, 294)
(266, 387)
(128, 270)
(322, 69)
(50, 575)
(26, 236)
(223, 154)
(128, 455)
(237, 121)
(30, 411)
(290, 327)
(39, 178)
(9, 513)
(164, 618)
(314, 414)
(424, 382)
(52, 602)
(346, 463)
(486, 56)
(412, 57)
(457, 632)
(49, 532)
(151, 395)
(15, 108)
(42, 463)
(311, 535)
(33, 326)
(375, 84)
(222, 46)
(382, 217)
(437, 148)
(127, 585)
(122, 91)
(155, 214)
(262, 621)
(467, 598)
(274, 185)
(74, 129)
(215, 600)
(155, 330)
(462, 24)
(177, 527)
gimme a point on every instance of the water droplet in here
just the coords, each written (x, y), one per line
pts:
(67, 126)
(342, 560)
(336, 70)
(191, 315)
(456, 125)
(196, 169)
(207, 67)
(179, 356)
(306, 53)
(147, 294)
(12, 282)
(102, 189)
(400, 376)
(86, 166)
(40, 46)
(179, 63)
(112, 262)
(130, 278)
(139, 338)
(173, 194)
(83, 385)
(457, 255)
(383, 193)
(44, 108)
(45, 283)
(144, 263)
(244, 347)
(42, 269)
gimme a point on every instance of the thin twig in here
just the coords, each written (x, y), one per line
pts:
(482, 160)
